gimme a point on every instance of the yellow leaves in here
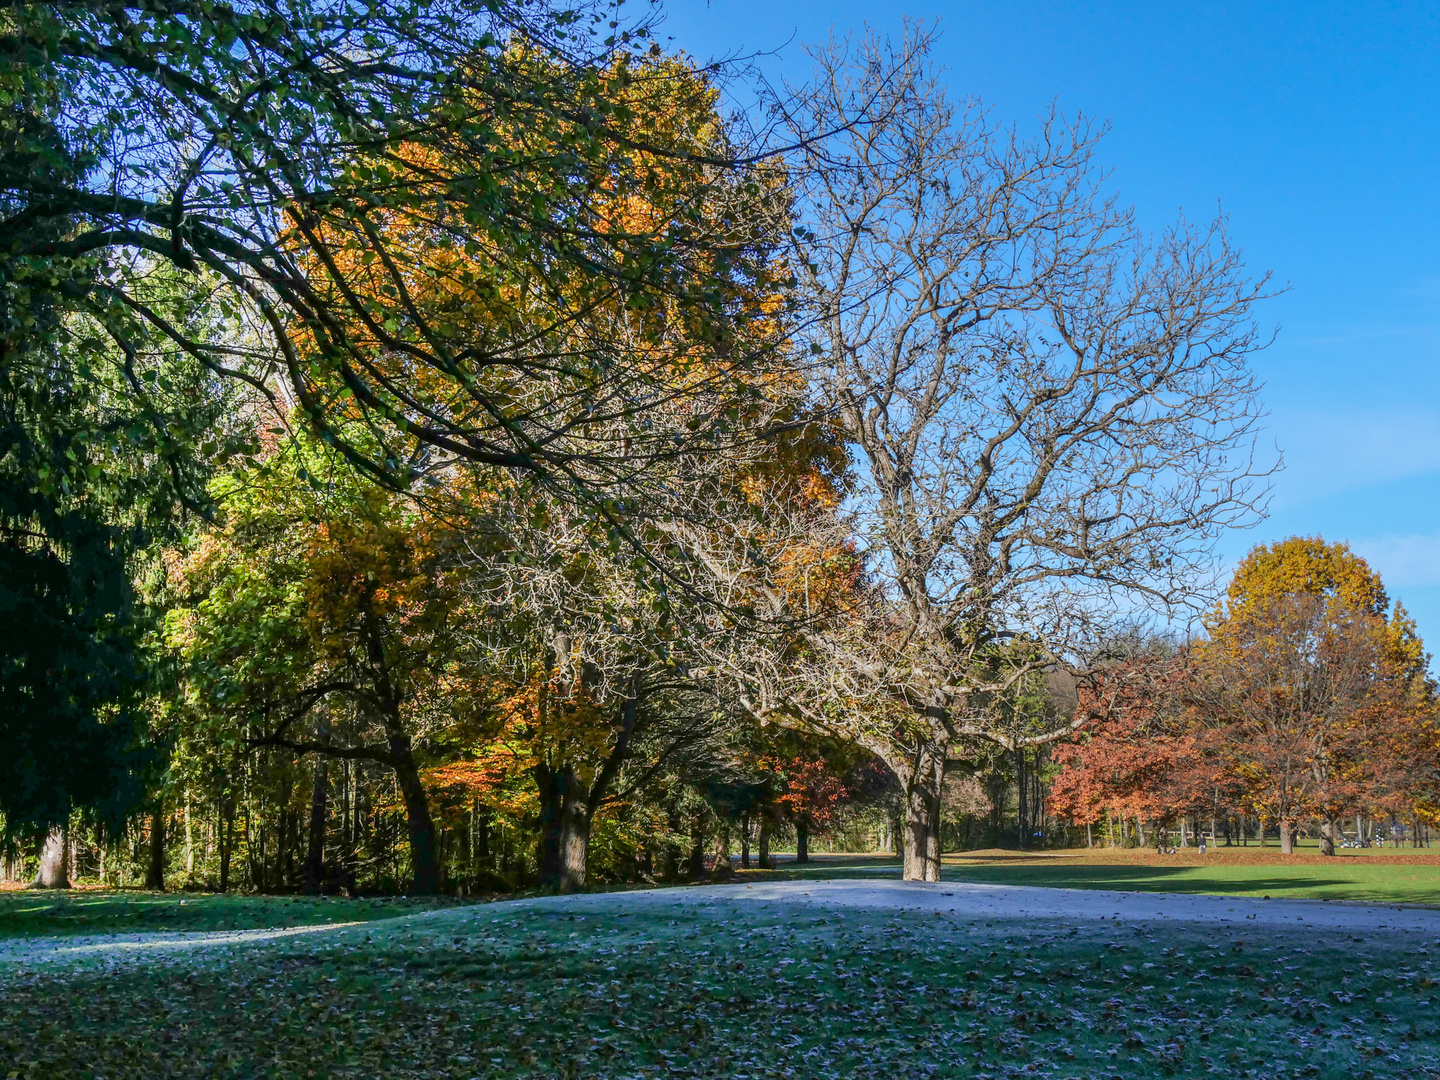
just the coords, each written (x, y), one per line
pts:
(1307, 565)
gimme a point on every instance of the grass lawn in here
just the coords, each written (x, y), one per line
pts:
(732, 992)
(27, 913)
(1392, 877)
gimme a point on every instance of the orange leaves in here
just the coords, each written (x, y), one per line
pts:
(808, 786)
(1305, 700)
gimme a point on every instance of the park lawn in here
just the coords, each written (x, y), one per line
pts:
(1401, 877)
(780, 991)
(32, 913)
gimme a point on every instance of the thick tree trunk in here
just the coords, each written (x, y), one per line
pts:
(763, 843)
(802, 839)
(921, 833)
(315, 849)
(423, 863)
(697, 848)
(155, 872)
(564, 829)
(1327, 836)
(1287, 838)
(54, 858)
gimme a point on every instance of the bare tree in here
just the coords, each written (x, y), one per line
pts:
(1051, 416)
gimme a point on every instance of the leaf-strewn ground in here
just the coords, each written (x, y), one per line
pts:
(725, 989)
(720, 990)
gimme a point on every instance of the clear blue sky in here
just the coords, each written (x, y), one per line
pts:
(1316, 127)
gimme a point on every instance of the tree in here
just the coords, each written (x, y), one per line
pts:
(316, 159)
(1052, 415)
(101, 447)
(321, 617)
(808, 781)
(1142, 756)
(1304, 678)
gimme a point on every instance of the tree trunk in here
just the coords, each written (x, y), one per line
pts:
(1287, 838)
(315, 848)
(155, 873)
(423, 863)
(1020, 830)
(697, 848)
(921, 833)
(53, 860)
(745, 842)
(802, 839)
(227, 839)
(189, 841)
(1327, 836)
(564, 829)
(763, 843)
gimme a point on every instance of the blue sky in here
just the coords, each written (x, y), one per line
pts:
(1316, 127)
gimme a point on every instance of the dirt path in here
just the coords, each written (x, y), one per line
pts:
(960, 899)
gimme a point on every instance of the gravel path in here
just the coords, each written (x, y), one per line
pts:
(963, 900)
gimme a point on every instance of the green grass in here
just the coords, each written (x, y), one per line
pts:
(1348, 879)
(726, 992)
(43, 913)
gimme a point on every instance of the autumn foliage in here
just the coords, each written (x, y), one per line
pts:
(1307, 701)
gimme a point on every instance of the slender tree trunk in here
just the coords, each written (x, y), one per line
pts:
(315, 848)
(189, 841)
(745, 842)
(1020, 830)
(54, 860)
(226, 839)
(155, 873)
(1089, 840)
(763, 842)
(802, 839)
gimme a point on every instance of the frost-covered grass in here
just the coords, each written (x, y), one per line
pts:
(37, 913)
(722, 990)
